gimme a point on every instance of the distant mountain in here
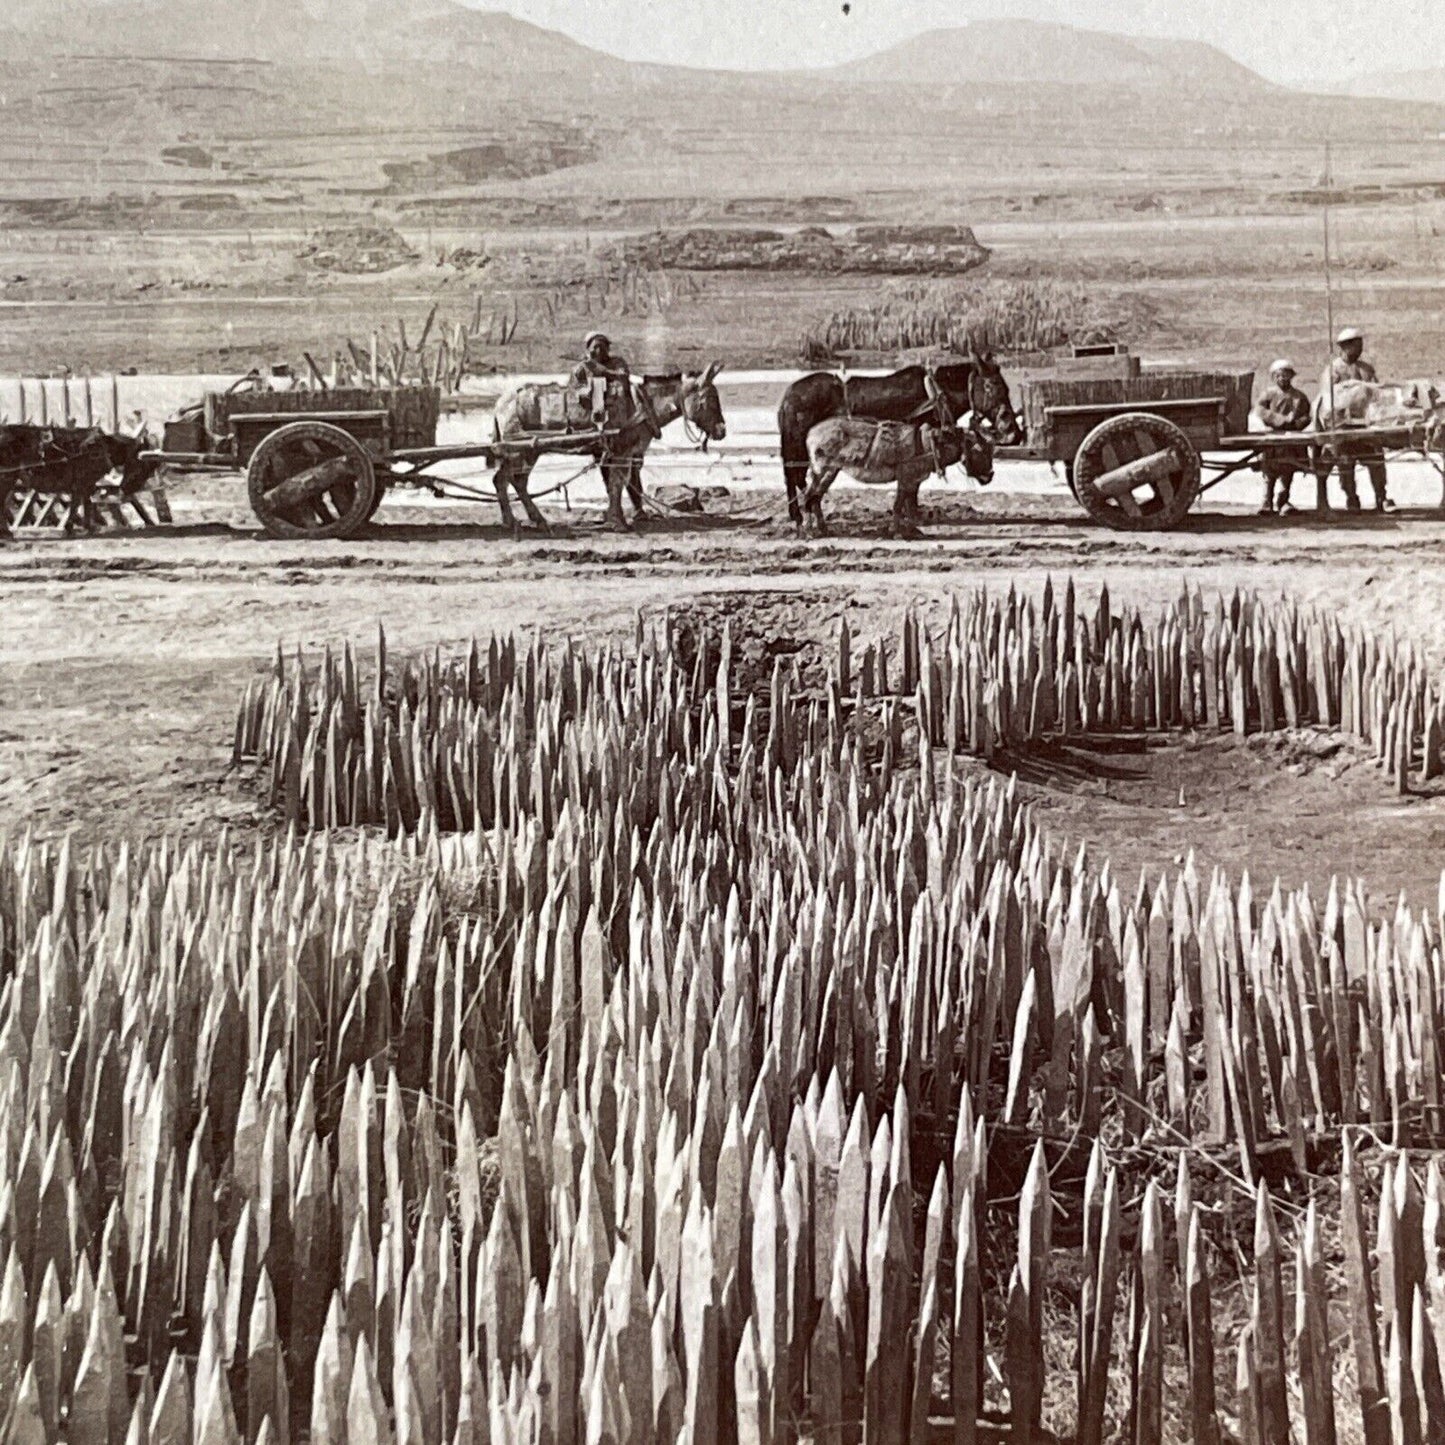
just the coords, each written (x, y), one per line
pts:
(257, 104)
(1031, 52)
(1424, 85)
(376, 34)
(368, 33)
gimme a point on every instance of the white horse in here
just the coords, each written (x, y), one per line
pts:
(1374, 403)
(620, 453)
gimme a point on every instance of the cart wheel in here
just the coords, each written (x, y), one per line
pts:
(1136, 473)
(311, 479)
(378, 492)
(1069, 478)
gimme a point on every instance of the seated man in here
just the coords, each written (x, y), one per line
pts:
(1350, 365)
(601, 372)
(1283, 408)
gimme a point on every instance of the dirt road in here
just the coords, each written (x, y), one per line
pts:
(121, 657)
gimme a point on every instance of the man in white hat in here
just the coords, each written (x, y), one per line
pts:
(1283, 408)
(1348, 364)
(600, 370)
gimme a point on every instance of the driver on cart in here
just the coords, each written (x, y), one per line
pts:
(602, 373)
(1349, 365)
(1283, 408)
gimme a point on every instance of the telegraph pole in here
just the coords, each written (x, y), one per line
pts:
(1329, 286)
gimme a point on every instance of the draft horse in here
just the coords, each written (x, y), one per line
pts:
(974, 384)
(69, 462)
(622, 449)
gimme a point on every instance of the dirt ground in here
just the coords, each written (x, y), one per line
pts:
(122, 656)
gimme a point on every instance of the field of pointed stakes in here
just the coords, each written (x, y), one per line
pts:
(626, 1045)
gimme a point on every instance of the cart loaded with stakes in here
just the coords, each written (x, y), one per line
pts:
(1138, 448)
(317, 463)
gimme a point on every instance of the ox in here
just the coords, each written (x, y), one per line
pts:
(881, 452)
(71, 462)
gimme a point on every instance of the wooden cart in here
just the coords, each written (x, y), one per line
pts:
(317, 463)
(1132, 447)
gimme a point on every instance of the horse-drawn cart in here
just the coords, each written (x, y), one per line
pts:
(1138, 451)
(1132, 447)
(317, 463)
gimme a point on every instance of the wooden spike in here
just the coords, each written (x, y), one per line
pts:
(885, 1405)
(1312, 1337)
(1360, 1288)
(1200, 1338)
(1268, 1325)
(1148, 1346)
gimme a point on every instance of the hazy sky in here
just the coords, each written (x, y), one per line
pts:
(1285, 40)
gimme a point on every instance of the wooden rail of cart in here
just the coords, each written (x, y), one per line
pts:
(317, 463)
(1138, 451)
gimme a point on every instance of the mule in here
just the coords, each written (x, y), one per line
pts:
(661, 399)
(71, 461)
(881, 452)
(974, 384)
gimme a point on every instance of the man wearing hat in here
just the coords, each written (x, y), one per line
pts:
(1283, 408)
(599, 369)
(1349, 365)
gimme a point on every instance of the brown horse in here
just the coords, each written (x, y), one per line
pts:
(70, 461)
(662, 399)
(974, 384)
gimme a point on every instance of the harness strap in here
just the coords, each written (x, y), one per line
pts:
(875, 446)
(938, 467)
(643, 402)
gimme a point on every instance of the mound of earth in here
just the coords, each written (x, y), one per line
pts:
(464, 258)
(510, 160)
(357, 250)
(887, 250)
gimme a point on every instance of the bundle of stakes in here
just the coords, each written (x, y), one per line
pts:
(692, 1064)
(440, 354)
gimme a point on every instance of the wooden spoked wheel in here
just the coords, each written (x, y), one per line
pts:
(310, 479)
(1137, 473)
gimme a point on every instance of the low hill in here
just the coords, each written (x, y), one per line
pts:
(369, 34)
(1031, 52)
(1419, 85)
(210, 105)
